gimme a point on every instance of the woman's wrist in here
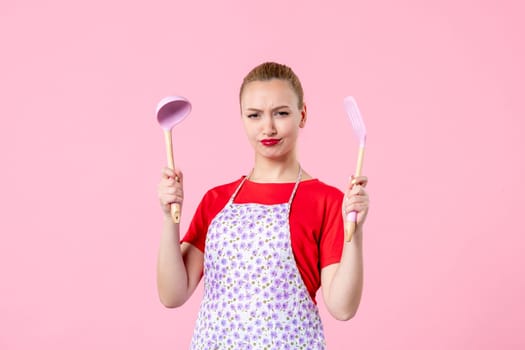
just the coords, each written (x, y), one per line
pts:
(168, 219)
(357, 237)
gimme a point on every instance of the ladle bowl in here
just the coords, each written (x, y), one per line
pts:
(171, 111)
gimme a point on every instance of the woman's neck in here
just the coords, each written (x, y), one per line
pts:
(267, 170)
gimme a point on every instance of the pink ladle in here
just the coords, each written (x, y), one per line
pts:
(171, 111)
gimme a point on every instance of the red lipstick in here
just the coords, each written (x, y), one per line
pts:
(270, 142)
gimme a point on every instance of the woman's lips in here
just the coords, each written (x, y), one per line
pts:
(270, 142)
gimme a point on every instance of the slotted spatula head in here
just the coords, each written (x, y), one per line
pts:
(356, 119)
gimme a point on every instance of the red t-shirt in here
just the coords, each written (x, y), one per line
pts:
(316, 224)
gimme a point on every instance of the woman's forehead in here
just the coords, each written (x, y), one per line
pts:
(270, 92)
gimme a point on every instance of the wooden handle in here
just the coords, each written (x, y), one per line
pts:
(350, 226)
(175, 207)
(360, 157)
(349, 230)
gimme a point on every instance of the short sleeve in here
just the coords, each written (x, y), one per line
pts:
(206, 211)
(196, 234)
(332, 231)
(211, 204)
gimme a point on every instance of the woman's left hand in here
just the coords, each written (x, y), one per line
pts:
(356, 199)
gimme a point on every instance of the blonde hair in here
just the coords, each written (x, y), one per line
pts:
(272, 70)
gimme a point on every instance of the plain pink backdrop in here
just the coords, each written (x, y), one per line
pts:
(440, 85)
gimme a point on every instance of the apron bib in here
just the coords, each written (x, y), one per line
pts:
(254, 296)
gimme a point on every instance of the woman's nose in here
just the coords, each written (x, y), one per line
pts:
(268, 125)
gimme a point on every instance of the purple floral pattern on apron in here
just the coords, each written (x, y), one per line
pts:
(254, 296)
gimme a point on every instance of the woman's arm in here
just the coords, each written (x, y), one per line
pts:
(179, 266)
(342, 283)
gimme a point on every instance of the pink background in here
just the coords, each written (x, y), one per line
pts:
(440, 84)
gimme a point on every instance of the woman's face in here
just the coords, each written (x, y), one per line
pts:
(272, 117)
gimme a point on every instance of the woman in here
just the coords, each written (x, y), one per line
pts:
(266, 242)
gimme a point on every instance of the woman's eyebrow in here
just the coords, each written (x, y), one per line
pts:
(273, 109)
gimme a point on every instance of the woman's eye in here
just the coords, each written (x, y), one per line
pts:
(253, 115)
(283, 113)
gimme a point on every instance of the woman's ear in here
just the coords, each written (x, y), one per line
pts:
(303, 117)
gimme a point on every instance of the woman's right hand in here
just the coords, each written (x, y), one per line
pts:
(170, 190)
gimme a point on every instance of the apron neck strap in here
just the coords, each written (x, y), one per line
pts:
(251, 172)
(238, 189)
(296, 185)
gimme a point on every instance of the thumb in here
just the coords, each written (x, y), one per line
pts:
(178, 175)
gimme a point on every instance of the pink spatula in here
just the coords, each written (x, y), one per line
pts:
(360, 131)
(172, 110)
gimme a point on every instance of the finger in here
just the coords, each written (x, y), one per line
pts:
(356, 190)
(356, 200)
(175, 189)
(164, 190)
(168, 173)
(350, 195)
(168, 199)
(357, 207)
(164, 184)
(178, 175)
(349, 208)
(362, 191)
(359, 180)
(179, 192)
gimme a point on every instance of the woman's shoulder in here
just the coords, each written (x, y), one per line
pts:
(315, 185)
(319, 187)
(223, 190)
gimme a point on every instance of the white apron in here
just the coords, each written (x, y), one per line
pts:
(254, 296)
